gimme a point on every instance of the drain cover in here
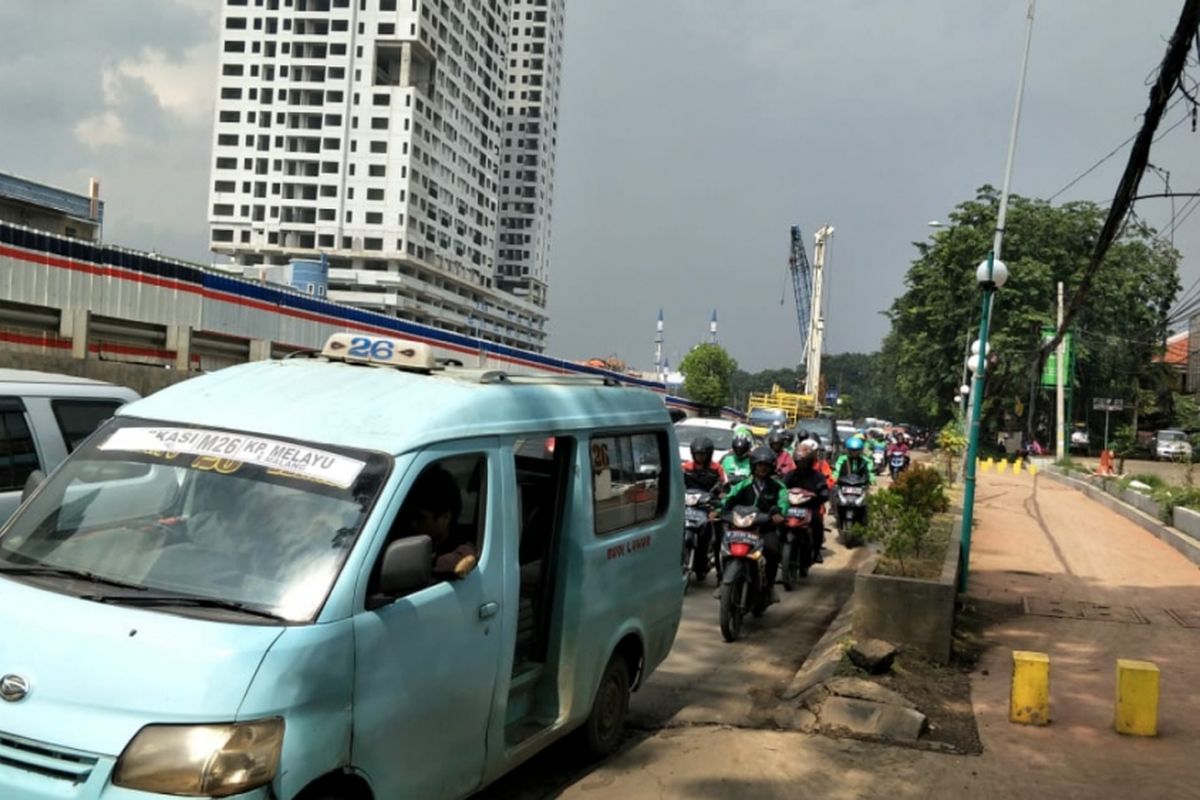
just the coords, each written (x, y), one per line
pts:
(1102, 613)
(1046, 607)
(1188, 618)
(1096, 612)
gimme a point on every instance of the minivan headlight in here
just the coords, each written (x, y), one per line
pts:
(202, 760)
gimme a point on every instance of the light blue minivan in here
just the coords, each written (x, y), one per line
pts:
(353, 574)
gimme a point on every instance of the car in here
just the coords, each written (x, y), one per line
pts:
(325, 593)
(43, 417)
(828, 432)
(1172, 445)
(719, 430)
(1080, 440)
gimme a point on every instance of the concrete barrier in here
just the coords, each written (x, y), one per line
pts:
(1182, 542)
(1187, 521)
(915, 612)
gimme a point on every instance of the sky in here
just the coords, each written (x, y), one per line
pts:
(693, 135)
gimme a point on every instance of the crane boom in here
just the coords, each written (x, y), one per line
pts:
(816, 335)
(801, 285)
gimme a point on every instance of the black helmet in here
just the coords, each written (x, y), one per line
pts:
(788, 438)
(762, 455)
(802, 434)
(741, 445)
(702, 444)
(775, 438)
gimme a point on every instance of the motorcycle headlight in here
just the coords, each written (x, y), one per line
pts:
(202, 760)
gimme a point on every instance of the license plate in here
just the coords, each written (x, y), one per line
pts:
(852, 490)
(695, 516)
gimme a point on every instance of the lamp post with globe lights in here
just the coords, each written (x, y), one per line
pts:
(991, 275)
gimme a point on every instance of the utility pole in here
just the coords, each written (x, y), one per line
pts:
(1060, 436)
(658, 345)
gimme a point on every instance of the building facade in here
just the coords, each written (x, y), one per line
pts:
(530, 143)
(369, 131)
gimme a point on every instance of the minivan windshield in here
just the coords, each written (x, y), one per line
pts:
(1171, 436)
(205, 521)
(722, 438)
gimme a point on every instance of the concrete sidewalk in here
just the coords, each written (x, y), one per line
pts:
(1034, 539)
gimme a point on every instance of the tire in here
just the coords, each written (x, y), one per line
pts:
(605, 725)
(688, 557)
(732, 595)
(788, 572)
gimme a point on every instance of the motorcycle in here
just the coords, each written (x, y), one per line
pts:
(851, 508)
(897, 463)
(797, 535)
(744, 570)
(877, 458)
(697, 534)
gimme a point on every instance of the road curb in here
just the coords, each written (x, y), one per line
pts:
(823, 659)
(1181, 542)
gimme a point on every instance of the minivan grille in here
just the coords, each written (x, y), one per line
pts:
(45, 759)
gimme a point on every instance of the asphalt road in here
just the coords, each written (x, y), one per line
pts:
(707, 682)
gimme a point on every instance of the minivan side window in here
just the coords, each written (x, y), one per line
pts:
(627, 480)
(448, 503)
(78, 419)
(18, 457)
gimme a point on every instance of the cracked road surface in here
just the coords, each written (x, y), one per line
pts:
(706, 682)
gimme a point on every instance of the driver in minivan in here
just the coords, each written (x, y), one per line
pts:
(432, 509)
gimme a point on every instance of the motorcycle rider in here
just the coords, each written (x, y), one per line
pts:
(736, 463)
(854, 461)
(701, 472)
(766, 493)
(783, 460)
(809, 477)
(704, 474)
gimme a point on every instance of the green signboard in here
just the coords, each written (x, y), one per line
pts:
(1050, 371)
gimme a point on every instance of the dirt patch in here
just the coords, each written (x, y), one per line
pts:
(941, 693)
(928, 563)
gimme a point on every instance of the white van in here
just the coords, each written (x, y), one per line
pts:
(43, 417)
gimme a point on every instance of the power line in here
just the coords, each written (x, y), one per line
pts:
(1116, 150)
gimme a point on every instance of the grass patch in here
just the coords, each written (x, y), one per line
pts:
(1153, 481)
(928, 563)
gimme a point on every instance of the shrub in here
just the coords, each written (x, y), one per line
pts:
(1168, 497)
(923, 490)
(891, 522)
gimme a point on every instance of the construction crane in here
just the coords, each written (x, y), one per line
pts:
(808, 286)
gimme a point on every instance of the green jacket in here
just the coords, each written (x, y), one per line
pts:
(736, 469)
(844, 459)
(774, 500)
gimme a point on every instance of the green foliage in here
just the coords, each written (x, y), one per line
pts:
(922, 489)
(1151, 480)
(952, 441)
(707, 370)
(1168, 497)
(1117, 334)
(895, 525)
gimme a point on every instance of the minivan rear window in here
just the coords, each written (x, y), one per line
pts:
(628, 480)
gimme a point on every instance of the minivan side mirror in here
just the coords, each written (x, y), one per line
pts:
(35, 479)
(407, 566)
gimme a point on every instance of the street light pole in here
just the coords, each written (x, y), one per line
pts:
(991, 276)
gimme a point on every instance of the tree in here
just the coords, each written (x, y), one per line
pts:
(707, 370)
(1117, 335)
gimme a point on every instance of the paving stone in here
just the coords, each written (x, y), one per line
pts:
(866, 690)
(873, 655)
(871, 719)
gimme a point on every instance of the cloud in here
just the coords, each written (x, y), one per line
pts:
(182, 89)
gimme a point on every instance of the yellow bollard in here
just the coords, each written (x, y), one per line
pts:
(1001, 466)
(985, 464)
(1137, 698)
(1016, 467)
(1032, 469)
(1029, 703)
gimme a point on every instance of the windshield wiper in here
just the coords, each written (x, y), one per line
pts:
(150, 600)
(64, 572)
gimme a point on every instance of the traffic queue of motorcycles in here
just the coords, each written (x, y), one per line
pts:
(759, 515)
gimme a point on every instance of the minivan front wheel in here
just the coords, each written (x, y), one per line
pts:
(604, 726)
